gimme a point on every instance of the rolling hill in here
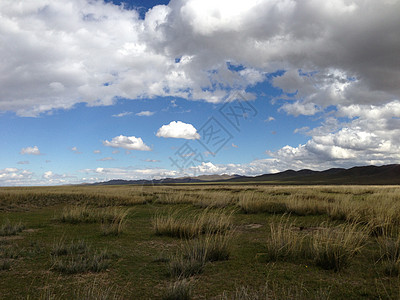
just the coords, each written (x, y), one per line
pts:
(371, 175)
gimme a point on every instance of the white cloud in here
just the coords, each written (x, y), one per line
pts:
(299, 108)
(151, 160)
(75, 150)
(145, 113)
(25, 162)
(96, 151)
(301, 129)
(30, 150)
(123, 114)
(106, 159)
(127, 142)
(51, 178)
(269, 119)
(14, 176)
(129, 173)
(178, 130)
(69, 51)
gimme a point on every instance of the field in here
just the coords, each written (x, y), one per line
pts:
(200, 242)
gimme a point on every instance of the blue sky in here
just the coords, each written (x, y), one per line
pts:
(95, 91)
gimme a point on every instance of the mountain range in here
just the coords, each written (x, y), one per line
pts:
(367, 175)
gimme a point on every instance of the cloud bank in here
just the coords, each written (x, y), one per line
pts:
(335, 52)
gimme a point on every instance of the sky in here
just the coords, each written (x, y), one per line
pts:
(94, 90)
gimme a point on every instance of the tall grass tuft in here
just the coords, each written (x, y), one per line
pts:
(5, 265)
(173, 197)
(77, 257)
(85, 214)
(390, 254)
(95, 262)
(251, 203)
(283, 242)
(213, 247)
(195, 253)
(220, 199)
(178, 290)
(184, 225)
(74, 247)
(115, 225)
(9, 228)
(333, 248)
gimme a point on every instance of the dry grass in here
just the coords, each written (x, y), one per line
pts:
(9, 228)
(115, 225)
(173, 197)
(389, 249)
(181, 224)
(178, 290)
(333, 248)
(195, 253)
(283, 243)
(85, 214)
(78, 258)
(218, 199)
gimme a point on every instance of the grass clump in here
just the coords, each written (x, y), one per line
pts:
(181, 266)
(115, 225)
(5, 265)
(96, 262)
(213, 247)
(180, 224)
(173, 197)
(85, 214)
(78, 214)
(77, 257)
(283, 242)
(178, 290)
(194, 254)
(61, 248)
(9, 228)
(390, 254)
(252, 203)
(215, 200)
(274, 290)
(333, 248)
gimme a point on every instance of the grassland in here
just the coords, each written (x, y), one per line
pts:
(200, 242)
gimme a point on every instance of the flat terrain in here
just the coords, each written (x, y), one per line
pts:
(200, 242)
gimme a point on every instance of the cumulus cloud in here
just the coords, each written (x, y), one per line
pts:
(14, 176)
(30, 150)
(371, 135)
(178, 130)
(127, 142)
(145, 113)
(57, 51)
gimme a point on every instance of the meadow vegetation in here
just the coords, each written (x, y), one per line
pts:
(200, 242)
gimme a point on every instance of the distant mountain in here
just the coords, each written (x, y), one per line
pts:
(387, 174)
(197, 179)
